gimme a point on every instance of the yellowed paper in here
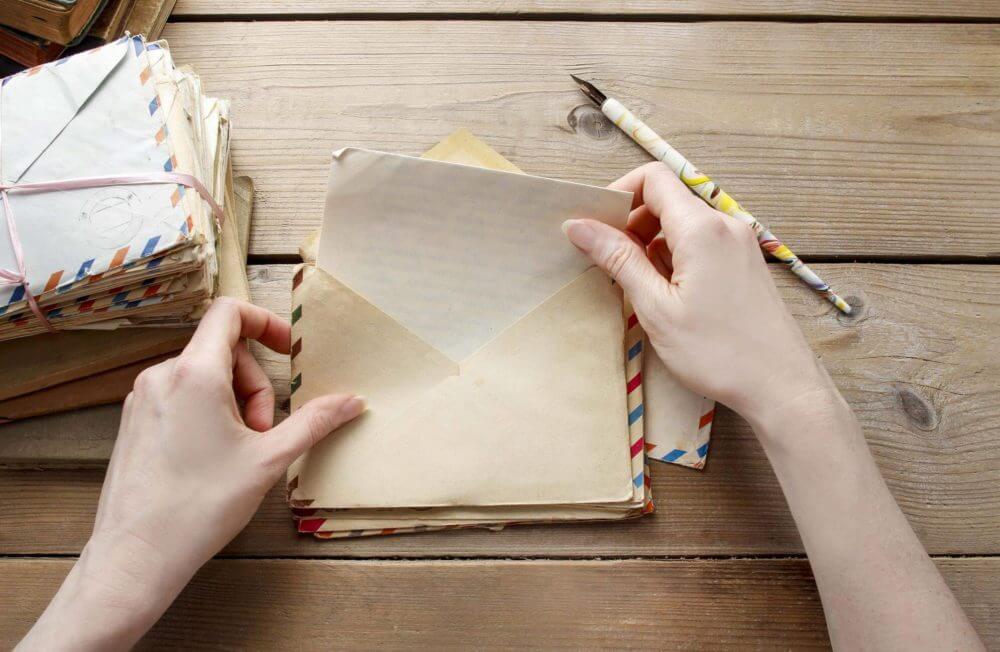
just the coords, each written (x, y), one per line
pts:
(464, 148)
(454, 253)
(460, 146)
(534, 415)
(537, 416)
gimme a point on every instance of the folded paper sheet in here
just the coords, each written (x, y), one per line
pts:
(455, 253)
(469, 397)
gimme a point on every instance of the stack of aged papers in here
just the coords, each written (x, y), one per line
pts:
(502, 370)
(675, 422)
(142, 250)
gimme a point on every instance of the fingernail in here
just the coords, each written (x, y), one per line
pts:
(580, 233)
(354, 406)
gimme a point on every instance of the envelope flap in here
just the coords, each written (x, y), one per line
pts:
(454, 253)
(37, 105)
(537, 416)
(345, 344)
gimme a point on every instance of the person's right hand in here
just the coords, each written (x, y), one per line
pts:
(703, 294)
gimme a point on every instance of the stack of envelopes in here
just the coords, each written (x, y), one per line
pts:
(676, 423)
(500, 366)
(113, 255)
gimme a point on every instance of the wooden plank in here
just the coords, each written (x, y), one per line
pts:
(689, 604)
(920, 365)
(818, 8)
(77, 439)
(874, 140)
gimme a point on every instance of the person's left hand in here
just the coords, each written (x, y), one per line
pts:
(188, 472)
(189, 469)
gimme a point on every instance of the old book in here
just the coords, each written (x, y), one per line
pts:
(59, 21)
(26, 49)
(48, 360)
(148, 17)
(103, 388)
(110, 25)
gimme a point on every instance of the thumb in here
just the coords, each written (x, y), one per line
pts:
(623, 259)
(309, 425)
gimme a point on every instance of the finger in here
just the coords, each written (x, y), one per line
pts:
(659, 255)
(658, 188)
(655, 185)
(229, 320)
(632, 182)
(623, 259)
(309, 425)
(253, 387)
(643, 224)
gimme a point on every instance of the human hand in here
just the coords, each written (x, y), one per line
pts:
(702, 292)
(704, 296)
(187, 473)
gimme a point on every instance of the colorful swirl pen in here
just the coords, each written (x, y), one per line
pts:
(705, 188)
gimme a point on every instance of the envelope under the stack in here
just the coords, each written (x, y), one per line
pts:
(501, 368)
(102, 253)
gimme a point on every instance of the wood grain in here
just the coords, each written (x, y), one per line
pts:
(920, 365)
(831, 8)
(873, 140)
(310, 604)
(76, 439)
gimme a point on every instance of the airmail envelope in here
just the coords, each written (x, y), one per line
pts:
(490, 350)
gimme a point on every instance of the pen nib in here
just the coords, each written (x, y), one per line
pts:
(596, 96)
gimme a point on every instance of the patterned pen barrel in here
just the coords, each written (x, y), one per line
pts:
(704, 187)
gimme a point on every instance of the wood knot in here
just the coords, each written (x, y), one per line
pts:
(859, 310)
(589, 120)
(258, 274)
(917, 409)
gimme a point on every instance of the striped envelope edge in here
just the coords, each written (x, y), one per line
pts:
(315, 521)
(678, 422)
(678, 429)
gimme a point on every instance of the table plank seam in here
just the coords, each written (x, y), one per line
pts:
(835, 259)
(502, 558)
(354, 16)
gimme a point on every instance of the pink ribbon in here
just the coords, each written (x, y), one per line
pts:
(20, 276)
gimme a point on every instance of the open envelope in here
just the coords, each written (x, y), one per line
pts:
(490, 350)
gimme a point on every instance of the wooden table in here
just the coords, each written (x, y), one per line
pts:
(865, 132)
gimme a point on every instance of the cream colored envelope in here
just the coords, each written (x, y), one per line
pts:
(489, 349)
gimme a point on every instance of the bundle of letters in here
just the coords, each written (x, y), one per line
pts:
(501, 368)
(114, 175)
